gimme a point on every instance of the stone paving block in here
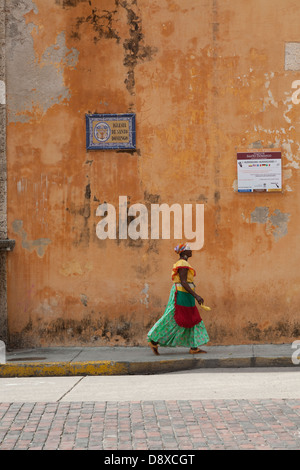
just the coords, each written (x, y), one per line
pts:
(174, 425)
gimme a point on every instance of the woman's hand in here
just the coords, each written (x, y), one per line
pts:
(199, 299)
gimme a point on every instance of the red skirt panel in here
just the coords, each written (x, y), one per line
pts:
(186, 313)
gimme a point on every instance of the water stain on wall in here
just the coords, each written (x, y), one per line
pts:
(91, 330)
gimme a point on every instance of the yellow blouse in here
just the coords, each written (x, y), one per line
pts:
(183, 264)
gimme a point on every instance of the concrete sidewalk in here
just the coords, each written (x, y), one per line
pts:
(82, 361)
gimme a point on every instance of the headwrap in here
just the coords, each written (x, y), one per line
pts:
(182, 247)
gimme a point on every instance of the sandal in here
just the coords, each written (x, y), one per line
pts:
(197, 351)
(154, 348)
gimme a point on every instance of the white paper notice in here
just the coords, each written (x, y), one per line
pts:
(259, 170)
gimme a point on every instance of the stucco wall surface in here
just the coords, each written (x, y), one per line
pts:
(204, 78)
(3, 180)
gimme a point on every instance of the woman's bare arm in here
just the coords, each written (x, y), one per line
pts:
(183, 280)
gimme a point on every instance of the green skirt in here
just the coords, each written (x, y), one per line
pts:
(167, 333)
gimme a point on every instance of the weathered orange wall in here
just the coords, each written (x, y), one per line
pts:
(204, 77)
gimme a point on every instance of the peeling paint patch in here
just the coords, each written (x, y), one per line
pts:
(280, 221)
(260, 215)
(42, 84)
(292, 56)
(145, 291)
(39, 245)
(2, 92)
(270, 99)
(276, 223)
(290, 154)
(59, 55)
(84, 299)
(235, 185)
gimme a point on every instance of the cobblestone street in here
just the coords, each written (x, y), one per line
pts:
(152, 425)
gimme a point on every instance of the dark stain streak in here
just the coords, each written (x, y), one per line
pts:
(151, 199)
(86, 213)
(135, 51)
(102, 24)
(88, 191)
(69, 3)
(129, 151)
(102, 21)
(217, 197)
(83, 232)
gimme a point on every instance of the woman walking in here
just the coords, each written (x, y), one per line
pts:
(181, 324)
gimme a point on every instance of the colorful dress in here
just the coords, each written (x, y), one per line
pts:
(181, 310)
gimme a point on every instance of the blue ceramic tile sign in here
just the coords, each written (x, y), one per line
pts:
(110, 131)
